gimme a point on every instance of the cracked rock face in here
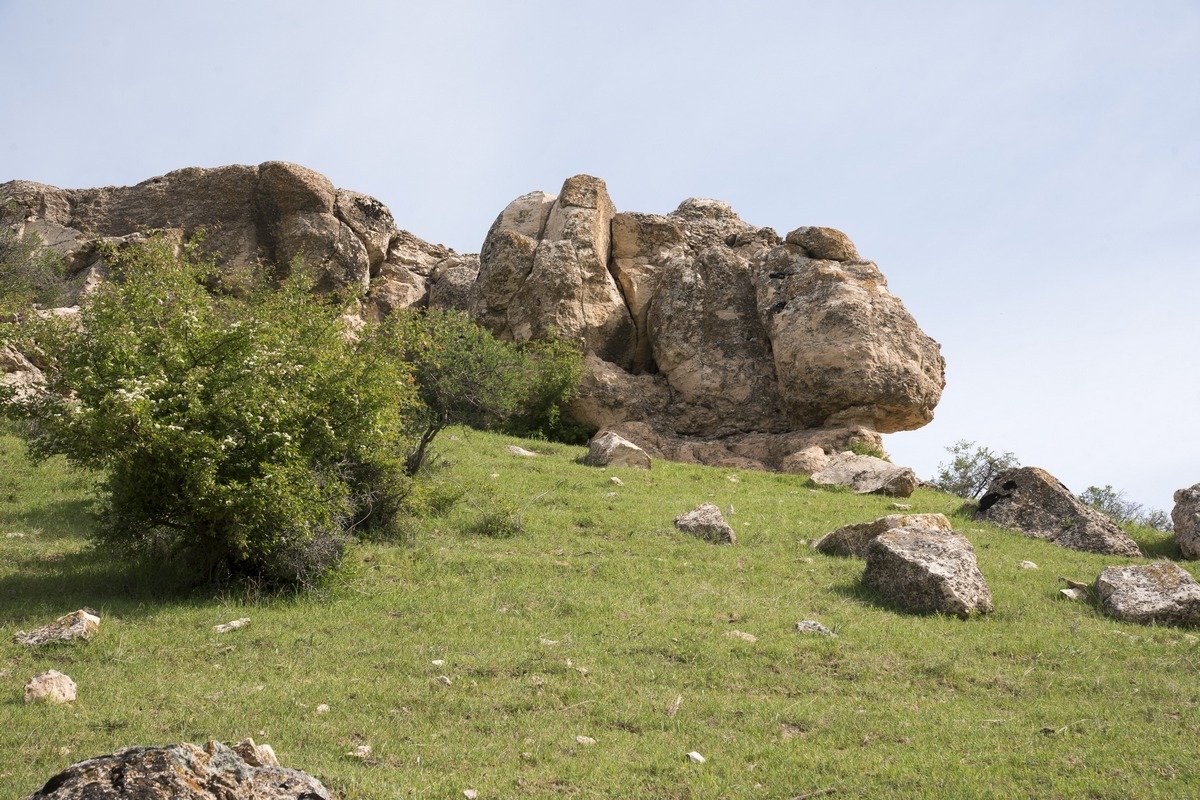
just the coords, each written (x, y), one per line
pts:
(1185, 516)
(927, 572)
(1038, 504)
(182, 772)
(1162, 593)
(853, 540)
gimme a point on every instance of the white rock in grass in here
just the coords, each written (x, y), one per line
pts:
(584, 740)
(438, 662)
(256, 755)
(615, 481)
(812, 626)
(1028, 565)
(14, 535)
(1073, 593)
(52, 686)
(323, 708)
(705, 522)
(444, 680)
(77, 625)
(607, 449)
(695, 757)
(231, 626)
(745, 637)
(470, 794)
(521, 451)
(363, 751)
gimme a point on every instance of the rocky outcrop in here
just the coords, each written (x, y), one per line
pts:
(607, 449)
(181, 772)
(866, 475)
(1038, 504)
(853, 540)
(706, 338)
(1151, 594)
(1185, 517)
(706, 522)
(927, 572)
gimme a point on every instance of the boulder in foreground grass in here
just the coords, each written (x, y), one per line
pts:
(1038, 504)
(52, 687)
(866, 475)
(1186, 519)
(179, 772)
(1162, 593)
(706, 522)
(852, 540)
(607, 449)
(71, 627)
(927, 572)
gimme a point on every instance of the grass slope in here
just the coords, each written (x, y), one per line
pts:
(590, 623)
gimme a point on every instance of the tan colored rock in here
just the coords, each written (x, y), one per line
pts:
(824, 243)
(452, 283)
(805, 462)
(397, 290)
(853, 540)
(927, 572)
(1162, 593)
(77, 626)
(706, 522)
(642, 247)
(51, 687)
(607, 449)
(867, 475)
(179, 772)
(232, 625)
(371, 222)
(1038, 504)
(1185, 517)
(327, 245)
(520, 452)
(288, 188)
(256, 755)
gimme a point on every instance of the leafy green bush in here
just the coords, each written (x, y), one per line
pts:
(972, 469)
(251, 433)
(1117, 505)
(465, 376)
(29, 274)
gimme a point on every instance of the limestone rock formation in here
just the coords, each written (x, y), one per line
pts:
(853, 540)
(867, 475)
(1162, 593)
(78, 625)
(927, 572)
(1185, 516)
(706, 338)
(607, 449)
(706, 522)
(180, 772)
(1035, 502)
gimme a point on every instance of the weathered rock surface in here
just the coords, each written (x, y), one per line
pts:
(179, 772)
(867, 475)
(706, 522)
(853, 540)
(1038, 504)
(51, 687)
(707, 339)
(78, 625)
(607, 449)
(927, 572)
(1185, 516)
(1162, 593)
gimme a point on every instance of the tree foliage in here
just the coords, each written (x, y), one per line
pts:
(1122, 510)
(971, 469)
(29, 273)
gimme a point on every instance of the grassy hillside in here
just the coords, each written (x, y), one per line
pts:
(591, 622)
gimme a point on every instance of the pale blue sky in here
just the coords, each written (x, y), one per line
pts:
(1027, 175)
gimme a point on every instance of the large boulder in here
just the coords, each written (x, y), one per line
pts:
(927, 572)
(1038, 504)
(180, 772)
(867, 475)
(1185, 517)
(853, 540)
(1162, 594)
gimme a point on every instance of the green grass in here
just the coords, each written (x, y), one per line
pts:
(897, 706)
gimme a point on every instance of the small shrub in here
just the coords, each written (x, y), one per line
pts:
(868, 449)
(972, 469)
(30, 273)
(503, 519)
(1118, 507)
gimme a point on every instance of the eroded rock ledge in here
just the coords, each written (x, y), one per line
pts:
(708, 339)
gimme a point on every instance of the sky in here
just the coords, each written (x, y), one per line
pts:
(1026, 174)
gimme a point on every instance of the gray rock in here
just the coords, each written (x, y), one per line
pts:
(927, 572)
(607, 449)
(1162, 593)
(1185, 516)
(853, 540)
(867, 475)
(812, 626)
(77, 626)
(179, 772)
(1038, 504)
(824, 243)
(51, 687)
(705, 521)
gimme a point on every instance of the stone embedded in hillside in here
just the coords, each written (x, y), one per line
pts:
(812, 626)
(514, 450)
(1038, 504)
(51, 687)
(867, 475)
(1162, 593)
(1185, 516)
(927, 572)
(607, 449)
(179, 772)
(853, 540)
(706, 522)
(805, 462)
(824, 243)
(76, 626)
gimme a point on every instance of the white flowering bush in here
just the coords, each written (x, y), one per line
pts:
(251, 434)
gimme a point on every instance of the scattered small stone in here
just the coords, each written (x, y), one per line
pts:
(745, 637)
(695, 757)
(444, 680)
(323, 708)
(52, 686)
(812, 626)
(14, 535)
(584, 740)
(1073, 593)
(79, 624)
(548, 642)
(362, 751)
(615, 481)
(438, 662)
(256, 755)
(1028, 565)
(521, 451)
(610, 494)
(731, 478)
(901, 506)
(494, 475)
(673, 707)
(470, 794)
(231, 626)
(1074, 584)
